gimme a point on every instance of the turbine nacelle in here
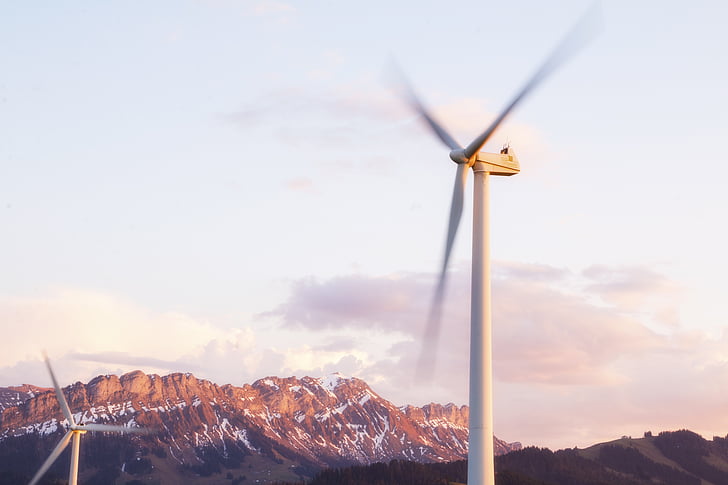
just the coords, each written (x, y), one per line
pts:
(503, 163)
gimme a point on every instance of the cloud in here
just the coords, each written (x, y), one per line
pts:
(305, 360)
(92, 332)
(551, 335)
(345, 123)
(529, 272)
(126, 359)
(344, 102)
(467, 117)
(236, 357)
(81, 319)
(636, 290)
(338, 343)
(544, 331)
(671, 388)
(390, 303)
(573, 361)
(571, 365)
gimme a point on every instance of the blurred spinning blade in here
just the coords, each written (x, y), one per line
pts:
(465, 158)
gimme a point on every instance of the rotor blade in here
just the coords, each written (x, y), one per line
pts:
(456, 212)
(110, 428)
(411, 98)
(53, 456)
(59, 393)
(426, 362)
(568, 46)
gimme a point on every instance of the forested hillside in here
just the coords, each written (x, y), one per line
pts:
(671, 458)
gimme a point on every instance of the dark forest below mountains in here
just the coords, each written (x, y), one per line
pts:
(670, 458)
(682, 458)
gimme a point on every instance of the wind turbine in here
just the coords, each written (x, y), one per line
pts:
(73, 435)
(481, 469)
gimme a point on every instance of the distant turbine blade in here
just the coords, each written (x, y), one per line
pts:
(59, 393)
(568, 46)
(411, 98)
(53, 456)
(426, 363)
(110, 428)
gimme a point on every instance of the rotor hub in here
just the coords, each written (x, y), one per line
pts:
(458, 156)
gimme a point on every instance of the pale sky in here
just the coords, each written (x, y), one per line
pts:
(233, 188)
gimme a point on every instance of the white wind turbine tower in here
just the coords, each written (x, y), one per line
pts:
(481, 469)
(74, 435)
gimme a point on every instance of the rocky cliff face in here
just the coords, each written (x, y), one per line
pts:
(12, 396)
(326, 421)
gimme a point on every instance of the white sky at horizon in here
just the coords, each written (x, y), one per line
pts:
(232, 188)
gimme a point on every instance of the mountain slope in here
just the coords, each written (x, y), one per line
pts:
(12, 396)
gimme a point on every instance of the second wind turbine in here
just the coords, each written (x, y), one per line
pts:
(481, 469)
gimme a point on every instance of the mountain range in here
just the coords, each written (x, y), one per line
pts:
(274, 429)
(325, 430)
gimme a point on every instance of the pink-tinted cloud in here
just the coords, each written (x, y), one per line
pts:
(543, 332)
(549, 335)
(466, 118)
(635, 289)
(571, 365)
(389, 303)
(529, 272)
(91, 332)
(570, 369)
(80, 319)
(672, 388)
